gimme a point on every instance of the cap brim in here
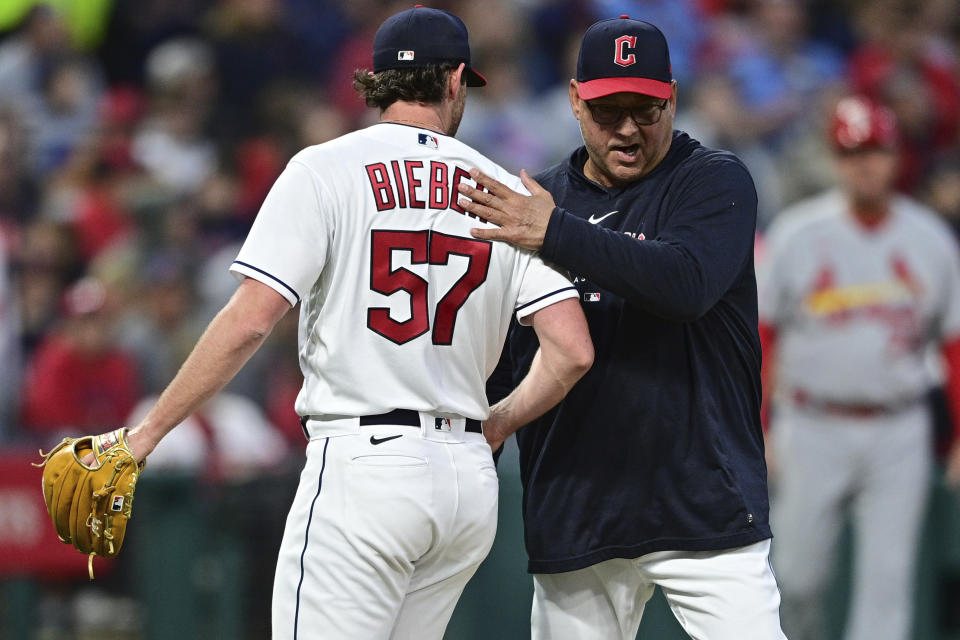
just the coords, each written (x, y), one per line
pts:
(607, 86)
(842, 149)
(474, 78)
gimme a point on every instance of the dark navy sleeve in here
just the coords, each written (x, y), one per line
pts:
(501, 381)
(699, 250)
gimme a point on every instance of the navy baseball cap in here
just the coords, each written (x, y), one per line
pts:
(623, 55)
(421, 37)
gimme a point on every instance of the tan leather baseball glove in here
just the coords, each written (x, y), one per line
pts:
(90, 505)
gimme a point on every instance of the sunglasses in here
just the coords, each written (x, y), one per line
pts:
(608, 114)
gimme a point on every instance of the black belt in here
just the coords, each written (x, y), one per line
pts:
(407, 417)
(411, 418)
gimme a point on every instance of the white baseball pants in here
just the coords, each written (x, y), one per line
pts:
(715, 595)
(383, 534)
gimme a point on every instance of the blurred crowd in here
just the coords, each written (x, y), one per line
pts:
(139, 137)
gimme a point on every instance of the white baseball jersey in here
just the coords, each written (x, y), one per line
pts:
(847, 299)
(400, 306)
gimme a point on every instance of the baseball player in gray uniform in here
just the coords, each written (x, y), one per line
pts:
(403, 316)
(857, 287)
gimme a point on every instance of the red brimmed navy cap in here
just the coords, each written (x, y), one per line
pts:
(621, 55)
(421, 37)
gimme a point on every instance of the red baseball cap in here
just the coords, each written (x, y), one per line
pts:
(621, 55)
(858, 123)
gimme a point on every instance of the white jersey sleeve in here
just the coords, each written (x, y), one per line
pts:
(288, 243)
(541, 287)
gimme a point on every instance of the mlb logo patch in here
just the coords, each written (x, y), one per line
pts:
(404, 55)
(591, 297)
(442, 424)
(117, 504)
(428, 140)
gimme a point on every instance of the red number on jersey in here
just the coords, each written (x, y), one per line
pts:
(385, 280)
(478, 254)
(423, 246)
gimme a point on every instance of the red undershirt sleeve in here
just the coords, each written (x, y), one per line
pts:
(768, 341)
(951, 356)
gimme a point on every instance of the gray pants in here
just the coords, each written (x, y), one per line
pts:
(876, 471)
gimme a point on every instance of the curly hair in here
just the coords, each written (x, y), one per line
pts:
(419, 84)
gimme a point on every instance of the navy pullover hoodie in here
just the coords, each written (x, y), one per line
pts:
(659, 446)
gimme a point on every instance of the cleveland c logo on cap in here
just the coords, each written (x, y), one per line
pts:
(621, 44)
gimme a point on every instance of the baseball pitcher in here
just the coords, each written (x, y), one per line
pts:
(403, 316)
